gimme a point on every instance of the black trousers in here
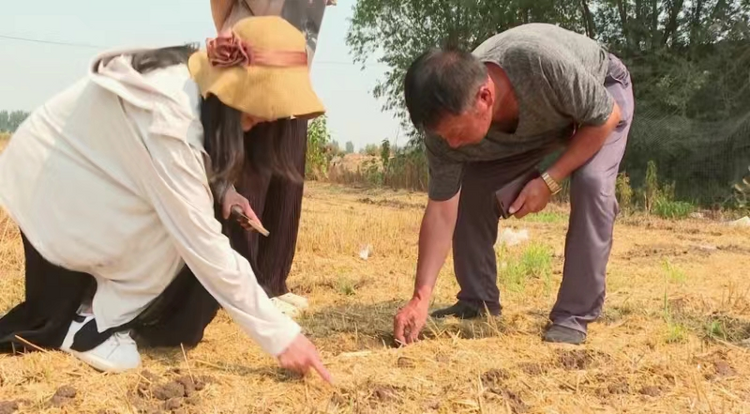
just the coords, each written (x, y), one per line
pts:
(278, 203)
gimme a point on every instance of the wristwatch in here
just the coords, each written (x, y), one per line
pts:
(553, 186)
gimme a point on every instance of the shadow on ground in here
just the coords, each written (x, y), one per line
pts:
(358, 327)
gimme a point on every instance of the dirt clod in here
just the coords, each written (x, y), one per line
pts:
(66, 391)
(578, 359)
(150, 376)
(723, 369)
(144, 407)
(173, 404)
(651, 391)
(172, 389)
(191, 385)
(63, 395)
(514, 400)
(442, 358)
(8, 407)
(404, 362)
(532, 368)
(433, 404)
(385, 393)
(494, 377)
(619, 388)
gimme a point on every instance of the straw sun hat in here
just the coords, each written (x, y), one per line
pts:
(259, 67)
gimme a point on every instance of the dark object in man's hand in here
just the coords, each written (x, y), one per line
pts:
(241, 218)
(508, 194)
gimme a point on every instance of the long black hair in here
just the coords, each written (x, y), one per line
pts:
(264, 149)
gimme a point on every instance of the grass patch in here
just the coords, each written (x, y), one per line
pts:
(546, 217)
(346, 286)
(674, 210)
(677, 333)
(534, 262)
(673, 273)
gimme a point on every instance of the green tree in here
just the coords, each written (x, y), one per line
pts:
(10, 121)
(349, 147)
(318, 139)
(4, 124)
(371, 149)
(385, 152)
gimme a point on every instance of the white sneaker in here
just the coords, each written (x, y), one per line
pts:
(294, 300)
(285, 308)
(117, 354)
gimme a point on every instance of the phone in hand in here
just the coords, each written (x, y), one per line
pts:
(508, 194)
(240, 217)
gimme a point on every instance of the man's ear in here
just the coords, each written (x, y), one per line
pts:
(485, 96)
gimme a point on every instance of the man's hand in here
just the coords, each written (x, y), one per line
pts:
(409, 321)
(300, 356)
(532, 199)
(233, 198)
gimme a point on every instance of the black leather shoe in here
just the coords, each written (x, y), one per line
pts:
(461, 310)
(561, 334)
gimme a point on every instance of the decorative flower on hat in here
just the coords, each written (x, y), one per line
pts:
(228, 50)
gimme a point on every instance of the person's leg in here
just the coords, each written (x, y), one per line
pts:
(281, 216)
(589, 238)
(476, 233)
(53, 295)
(253, 186)
(179, 316)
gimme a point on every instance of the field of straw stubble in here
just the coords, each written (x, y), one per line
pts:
(673, 337)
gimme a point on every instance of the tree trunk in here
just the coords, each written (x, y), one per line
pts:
(622, 8)
(695, 23)
(588, 20)
(671, 28)
(654, 23)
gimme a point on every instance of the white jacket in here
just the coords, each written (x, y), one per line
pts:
(108, 178)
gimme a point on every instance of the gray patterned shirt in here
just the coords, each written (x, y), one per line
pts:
(558, 77)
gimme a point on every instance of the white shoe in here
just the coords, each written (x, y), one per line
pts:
(117, 354)
(285, 308)
(294, 300)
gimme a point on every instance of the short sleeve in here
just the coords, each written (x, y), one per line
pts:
(576, 92)
(445, 174)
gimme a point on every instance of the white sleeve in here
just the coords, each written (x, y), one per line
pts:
(177, 186)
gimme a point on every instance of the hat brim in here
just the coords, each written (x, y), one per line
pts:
(268, 93)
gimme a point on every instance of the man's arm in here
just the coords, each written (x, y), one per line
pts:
(588, 103)
(435, 238)
(587, 141)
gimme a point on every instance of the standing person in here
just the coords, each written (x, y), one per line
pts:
(276, 199)
(491, 116)
(133, 229)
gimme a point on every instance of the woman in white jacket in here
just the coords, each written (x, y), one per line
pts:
(112, 184)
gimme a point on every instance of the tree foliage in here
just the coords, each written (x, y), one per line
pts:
(10, 121)
(318, 146)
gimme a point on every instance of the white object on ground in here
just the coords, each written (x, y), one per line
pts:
(118, 353)
(707, 247)
(697, 216)
(297, 301)
(285, 308)
(743, 222)
(365, 251)
(510, 237)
